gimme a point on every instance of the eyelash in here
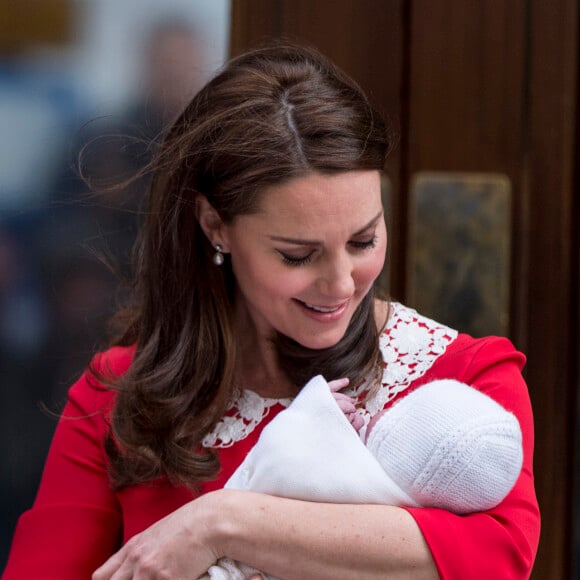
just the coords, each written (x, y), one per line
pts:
(296, 261)
(366, 245)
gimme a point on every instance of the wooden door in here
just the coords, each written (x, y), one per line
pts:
(484, 87)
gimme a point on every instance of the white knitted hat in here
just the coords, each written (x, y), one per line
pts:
(449, 445)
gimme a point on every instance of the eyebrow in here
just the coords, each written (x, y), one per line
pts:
(302, 242)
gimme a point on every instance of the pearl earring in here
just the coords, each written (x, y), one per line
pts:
(218, 257)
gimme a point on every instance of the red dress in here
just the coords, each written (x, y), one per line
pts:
(78, 521)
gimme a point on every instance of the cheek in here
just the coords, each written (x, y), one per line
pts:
(266, 280)
(368, 270)
(288, 283)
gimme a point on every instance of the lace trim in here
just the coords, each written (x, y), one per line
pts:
(409, 344)
(241, 418)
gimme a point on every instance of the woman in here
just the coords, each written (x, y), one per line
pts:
(264, 237)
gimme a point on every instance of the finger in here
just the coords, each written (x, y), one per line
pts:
(338, 384)
(107, 570)
(356, 421)
(342, 397)
(346, 406)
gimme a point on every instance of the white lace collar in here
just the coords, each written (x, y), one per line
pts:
(409, 344)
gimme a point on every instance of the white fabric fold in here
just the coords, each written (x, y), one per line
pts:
(311, 452)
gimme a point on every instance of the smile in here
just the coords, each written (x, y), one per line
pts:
(323, 308)
(324, 313)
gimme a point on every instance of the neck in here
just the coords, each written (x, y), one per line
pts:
(257, 366)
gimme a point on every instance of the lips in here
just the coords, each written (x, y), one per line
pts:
(324, 313)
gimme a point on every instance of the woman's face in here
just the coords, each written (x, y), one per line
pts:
(305, 261)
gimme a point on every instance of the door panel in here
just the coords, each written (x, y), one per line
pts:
(490, 88)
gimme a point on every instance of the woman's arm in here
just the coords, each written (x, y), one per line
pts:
(295, 539)
(285, 538)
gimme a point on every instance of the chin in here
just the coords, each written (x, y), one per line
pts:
(322, 341)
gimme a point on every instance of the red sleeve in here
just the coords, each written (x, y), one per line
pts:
(75, 522)
(502, 542)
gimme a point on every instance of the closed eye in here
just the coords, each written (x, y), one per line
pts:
(296, 260)
(364, 245)
(302, 260)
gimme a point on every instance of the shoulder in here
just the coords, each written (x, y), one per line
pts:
(90, 393)
(416, 349)
(420, 345)
(114, 361)
(467, 356)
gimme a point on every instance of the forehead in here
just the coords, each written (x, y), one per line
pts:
(352, 196)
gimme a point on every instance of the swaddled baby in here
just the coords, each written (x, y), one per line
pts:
(444, 445)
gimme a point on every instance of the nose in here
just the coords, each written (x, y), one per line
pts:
(336, 280)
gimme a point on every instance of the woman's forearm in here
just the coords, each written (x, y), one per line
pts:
(297, 539)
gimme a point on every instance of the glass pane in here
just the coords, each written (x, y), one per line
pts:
(458, 262)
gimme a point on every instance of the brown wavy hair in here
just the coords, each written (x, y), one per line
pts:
(271, 115)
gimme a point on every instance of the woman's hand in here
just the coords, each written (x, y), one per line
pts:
(180, 546)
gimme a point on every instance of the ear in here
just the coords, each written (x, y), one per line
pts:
(211, 223)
